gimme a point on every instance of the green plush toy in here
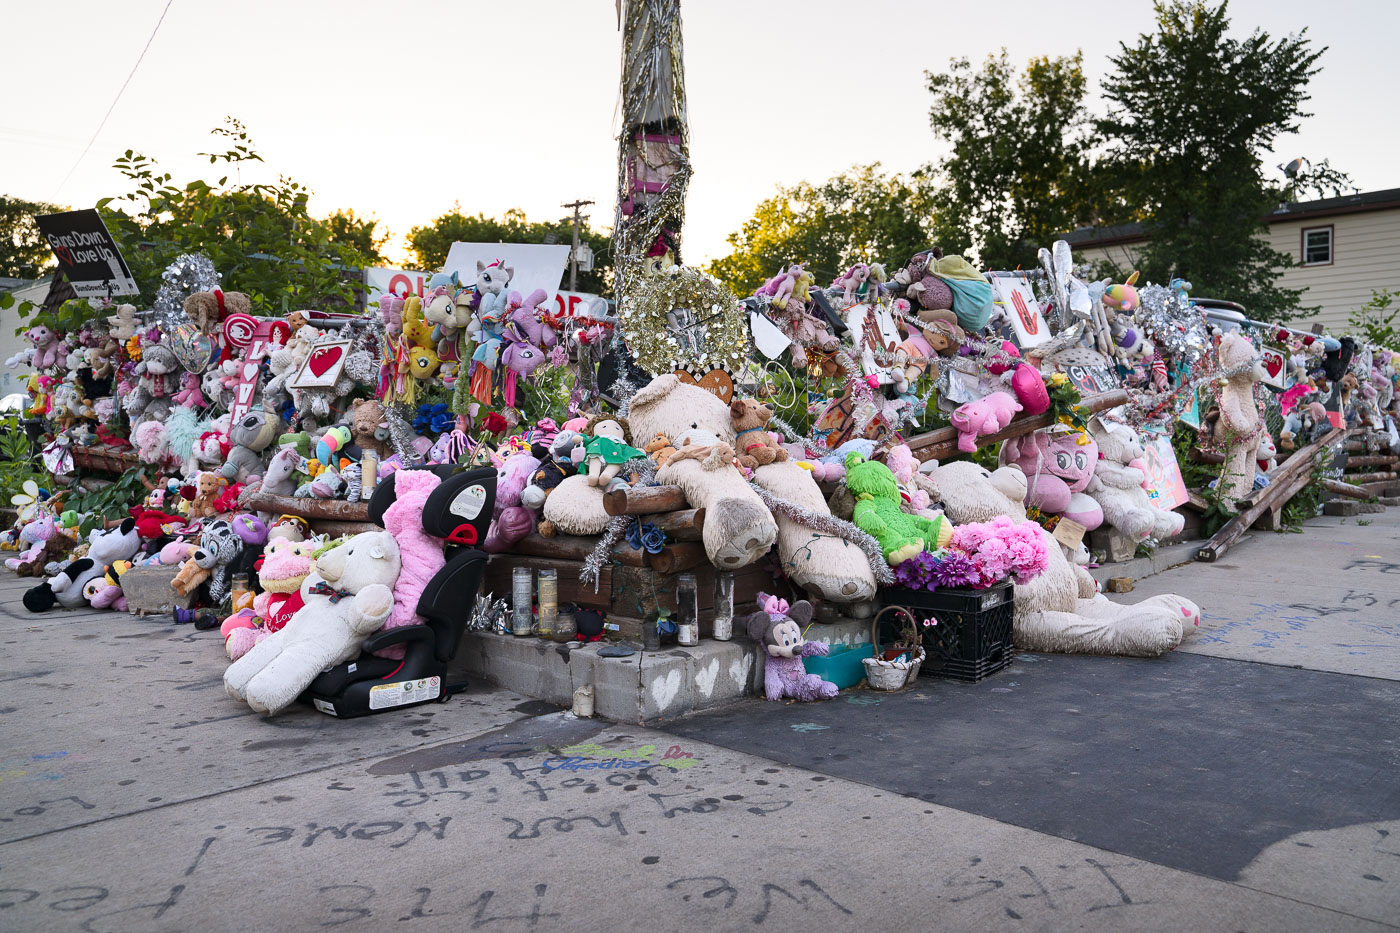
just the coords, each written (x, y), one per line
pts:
(877, 512)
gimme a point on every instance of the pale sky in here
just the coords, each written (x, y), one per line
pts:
(400, 109)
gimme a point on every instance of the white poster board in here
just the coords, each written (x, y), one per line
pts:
(1013, 293)
(536, 265)
(381, 281)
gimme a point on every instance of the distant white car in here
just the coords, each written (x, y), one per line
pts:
(14, 402)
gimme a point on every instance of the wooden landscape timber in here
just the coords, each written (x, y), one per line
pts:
(335, 510)
(1285, 482)
(644, 500)
(1345, 489)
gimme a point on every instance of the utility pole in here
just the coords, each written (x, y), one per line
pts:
(573, 253)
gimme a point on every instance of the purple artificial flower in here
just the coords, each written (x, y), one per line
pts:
(956, 569)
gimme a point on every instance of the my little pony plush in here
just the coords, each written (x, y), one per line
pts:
(532, 320)
(780, 287)
(492, 310)
(851, 280)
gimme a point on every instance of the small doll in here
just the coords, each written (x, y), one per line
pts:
(609, 447)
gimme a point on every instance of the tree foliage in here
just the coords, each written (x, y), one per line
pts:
(359, 232)
(24, 254)
(1192, 110)
(1019, 171)
(260, 237)
(861, 215)
(431, 242)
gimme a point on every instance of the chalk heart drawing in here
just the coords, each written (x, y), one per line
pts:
(739, 668)
(705, 678)
(664, 689)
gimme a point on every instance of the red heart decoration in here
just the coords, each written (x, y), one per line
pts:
(323, 359)
(1273, 363)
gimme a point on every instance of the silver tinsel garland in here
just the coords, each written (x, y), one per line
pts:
(645, 468)
(826, 523)
(1174, 324)
(189, 273)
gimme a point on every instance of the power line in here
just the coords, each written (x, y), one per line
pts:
(115, 99)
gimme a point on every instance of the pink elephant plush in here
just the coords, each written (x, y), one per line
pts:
(984, 416)
(1058, 468)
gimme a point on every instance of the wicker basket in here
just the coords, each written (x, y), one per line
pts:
(890, 675)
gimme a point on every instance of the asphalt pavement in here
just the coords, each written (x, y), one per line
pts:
(1246, 782)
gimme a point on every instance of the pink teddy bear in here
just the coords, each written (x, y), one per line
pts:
(984, 416)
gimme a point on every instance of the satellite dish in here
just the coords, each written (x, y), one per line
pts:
(1293, 168)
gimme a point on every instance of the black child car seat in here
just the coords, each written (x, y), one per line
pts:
(459, 512)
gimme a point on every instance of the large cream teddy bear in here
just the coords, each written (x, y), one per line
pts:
(346, 598)
(739, 529)
(1060, 610)
(1117, 486)
(1239, 426)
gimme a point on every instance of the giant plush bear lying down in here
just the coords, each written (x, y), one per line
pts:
(1060, 610)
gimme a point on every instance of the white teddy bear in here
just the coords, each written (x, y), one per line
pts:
(1060, 610)
(1117, 486)
(347, 598)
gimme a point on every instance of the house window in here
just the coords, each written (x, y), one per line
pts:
(1317, 246)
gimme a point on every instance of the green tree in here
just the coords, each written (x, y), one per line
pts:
(430, 243)
(1019, 171)
(260, 237)
(24, 254)
(359, 232)
(861, 215)
(1192, 110)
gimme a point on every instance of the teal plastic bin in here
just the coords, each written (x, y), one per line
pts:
(842, 665)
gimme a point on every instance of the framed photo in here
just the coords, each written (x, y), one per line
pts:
(323, 366)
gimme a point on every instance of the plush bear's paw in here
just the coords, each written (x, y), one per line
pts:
(375, 602)
(738, 532)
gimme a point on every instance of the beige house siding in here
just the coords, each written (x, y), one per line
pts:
(1123, 257)
(1365, 256)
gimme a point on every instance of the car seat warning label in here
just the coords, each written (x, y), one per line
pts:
(405, 691)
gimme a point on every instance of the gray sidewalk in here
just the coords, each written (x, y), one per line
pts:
(1245, 782)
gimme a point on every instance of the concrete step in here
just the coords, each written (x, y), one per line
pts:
(641, 687)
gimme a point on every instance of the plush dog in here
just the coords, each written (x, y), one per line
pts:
(207, 487)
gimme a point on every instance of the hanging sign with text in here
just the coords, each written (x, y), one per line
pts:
(87, 254)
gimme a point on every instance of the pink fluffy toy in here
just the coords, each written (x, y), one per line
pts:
(420, 553)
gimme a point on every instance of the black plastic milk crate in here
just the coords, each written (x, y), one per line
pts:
(973, 637)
